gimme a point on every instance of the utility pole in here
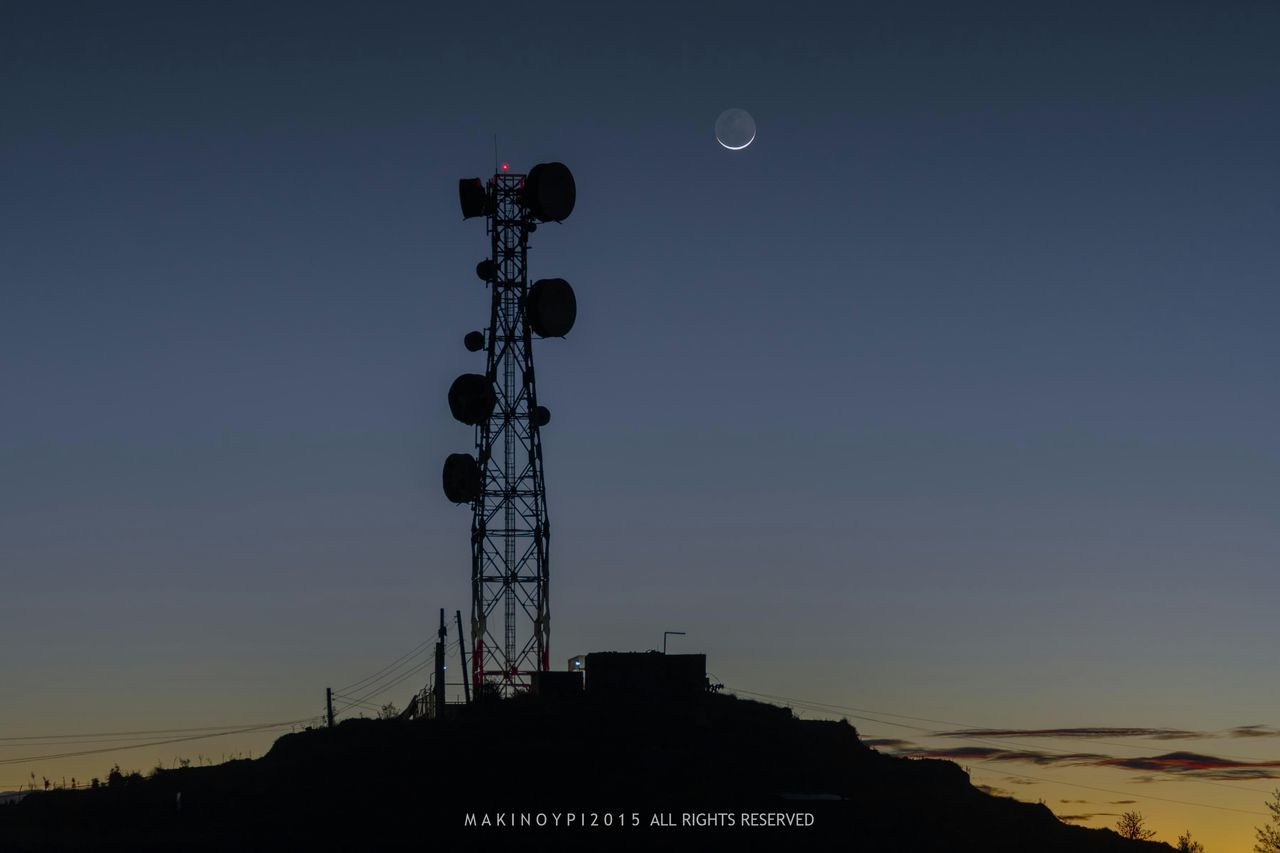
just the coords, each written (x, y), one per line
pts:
(328, 703)
(462, 651)
(439, 687)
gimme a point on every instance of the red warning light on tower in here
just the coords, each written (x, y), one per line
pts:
(506, 166)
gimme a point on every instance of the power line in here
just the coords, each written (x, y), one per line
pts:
(356, 685)
(375, 689)
(372, 685)
(404, 676)
(30, 759)
(136, 732)
(356, 702)
(389, 674)
(26, 744)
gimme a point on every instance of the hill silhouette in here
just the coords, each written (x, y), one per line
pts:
(374, 784)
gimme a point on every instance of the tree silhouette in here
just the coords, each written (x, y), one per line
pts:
(1268, 835)
(116, 776)
(1133, 826)
(1186, 845)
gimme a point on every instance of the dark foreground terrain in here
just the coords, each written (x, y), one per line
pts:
(374, 785)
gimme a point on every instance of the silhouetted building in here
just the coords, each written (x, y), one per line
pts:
(645, 673)
(556, 683)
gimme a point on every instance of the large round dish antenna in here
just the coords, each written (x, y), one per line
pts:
(473, 197)
(549, 192)
(552, 307)
(462, 482)
(472, 398)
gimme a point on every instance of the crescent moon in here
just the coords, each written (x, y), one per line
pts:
(739, 147)
(732, 125)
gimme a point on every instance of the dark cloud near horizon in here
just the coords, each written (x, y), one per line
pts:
(1254, 731)
(1197, 765)
(995, 753)
(1083, 817)
(1152, 733)
(993, 790)
(890, 742)
(1169, 765)
(1155, 733)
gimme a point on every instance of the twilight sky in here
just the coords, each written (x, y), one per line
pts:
(953, 395)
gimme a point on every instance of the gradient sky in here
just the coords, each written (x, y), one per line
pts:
(954, 395)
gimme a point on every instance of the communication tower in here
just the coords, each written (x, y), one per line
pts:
(503, 480)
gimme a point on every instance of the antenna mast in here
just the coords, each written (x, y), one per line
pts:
(503, 481)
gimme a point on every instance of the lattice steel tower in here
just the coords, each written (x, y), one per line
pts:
(503, 482)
